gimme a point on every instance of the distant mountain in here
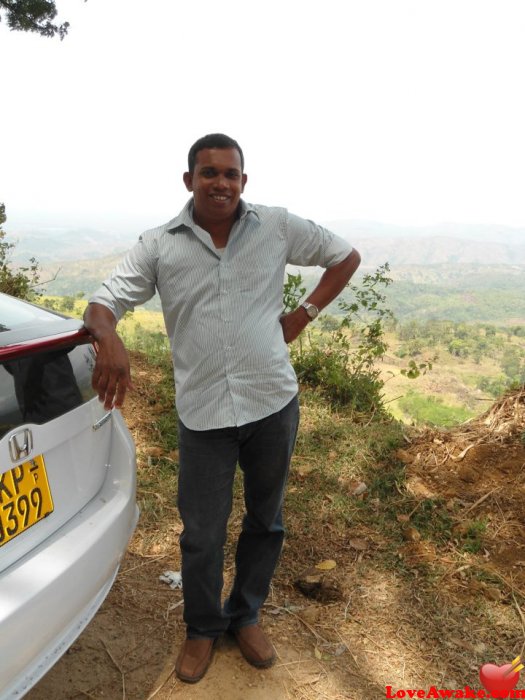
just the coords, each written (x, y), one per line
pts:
(473, 232)
(57, 244)
(438, 250)
(433, 245)
(446, 271)
(74, 276)
(377, 243)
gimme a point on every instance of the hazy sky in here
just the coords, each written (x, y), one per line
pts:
(402, 111)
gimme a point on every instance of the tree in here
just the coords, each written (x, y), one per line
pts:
(511, 362)
(32, 16)
(19, 282)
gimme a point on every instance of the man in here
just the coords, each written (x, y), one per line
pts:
(219, 268)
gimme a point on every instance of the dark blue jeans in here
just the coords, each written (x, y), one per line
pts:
(208, 460)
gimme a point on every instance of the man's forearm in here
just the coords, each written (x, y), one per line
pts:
(111, 376)
(331, 284)
(99, 321)
(334, 280)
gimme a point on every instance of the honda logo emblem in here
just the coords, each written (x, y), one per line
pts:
(21, 444)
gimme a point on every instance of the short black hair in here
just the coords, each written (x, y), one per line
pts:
(212, 141)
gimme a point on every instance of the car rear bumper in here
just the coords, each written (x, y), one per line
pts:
(51, 594)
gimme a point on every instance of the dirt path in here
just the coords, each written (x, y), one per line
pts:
(129, 651)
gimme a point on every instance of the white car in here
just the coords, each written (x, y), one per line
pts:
(67, 491)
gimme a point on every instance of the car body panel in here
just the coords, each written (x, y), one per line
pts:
(49, 595)
(76, 464)
(55, 574)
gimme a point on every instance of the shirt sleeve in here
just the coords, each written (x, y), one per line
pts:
(132, 282)
(311, 244)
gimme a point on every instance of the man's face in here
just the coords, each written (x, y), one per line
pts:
(217, 183)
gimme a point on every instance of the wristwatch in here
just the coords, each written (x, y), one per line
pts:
(311, 310)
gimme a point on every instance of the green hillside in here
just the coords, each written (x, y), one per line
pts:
(461, 293)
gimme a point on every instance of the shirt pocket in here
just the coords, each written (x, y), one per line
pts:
(256, 281)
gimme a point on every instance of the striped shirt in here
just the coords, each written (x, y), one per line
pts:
(222, 308)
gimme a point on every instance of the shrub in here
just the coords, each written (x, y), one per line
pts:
(342, 363)
(17, 281)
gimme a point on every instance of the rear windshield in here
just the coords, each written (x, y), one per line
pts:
(35, 388)
(41, 387)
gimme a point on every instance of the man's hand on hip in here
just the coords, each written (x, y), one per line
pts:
(293, 324)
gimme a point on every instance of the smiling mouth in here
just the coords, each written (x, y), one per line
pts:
(220, 197)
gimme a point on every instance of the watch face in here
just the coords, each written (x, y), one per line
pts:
(312, 311)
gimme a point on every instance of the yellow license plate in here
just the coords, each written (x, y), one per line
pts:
(25, 498)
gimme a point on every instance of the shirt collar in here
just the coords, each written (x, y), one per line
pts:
(185, 219)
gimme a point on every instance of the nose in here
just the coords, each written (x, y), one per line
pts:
(221, 183)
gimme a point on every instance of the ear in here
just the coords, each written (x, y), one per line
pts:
(188, 181)
(244, 180)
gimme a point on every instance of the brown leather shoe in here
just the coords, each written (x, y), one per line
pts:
(255, 646)
(194, 659)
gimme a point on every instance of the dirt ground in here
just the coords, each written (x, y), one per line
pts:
(432, 619)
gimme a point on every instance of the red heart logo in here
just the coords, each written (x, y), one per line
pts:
(497, 679)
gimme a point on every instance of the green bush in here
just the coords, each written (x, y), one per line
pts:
(342, 363)
(493, 386)
(18, 281)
